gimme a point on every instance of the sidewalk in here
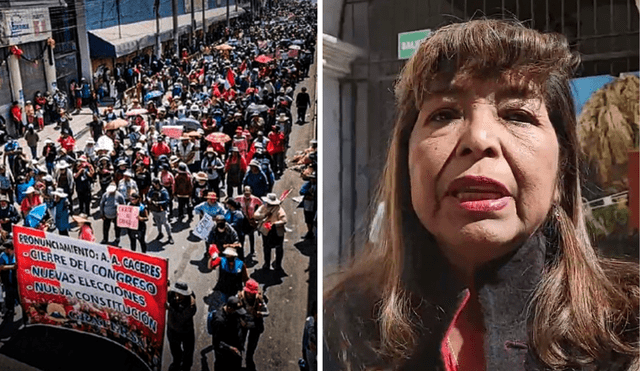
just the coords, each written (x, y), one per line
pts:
(78, 126)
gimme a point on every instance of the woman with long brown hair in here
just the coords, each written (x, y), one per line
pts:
(483, 261)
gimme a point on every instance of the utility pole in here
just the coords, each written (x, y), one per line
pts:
(228, 13)
(156, 6)
(193, 27)
(118, 10)
(204, 23)
(176, 37)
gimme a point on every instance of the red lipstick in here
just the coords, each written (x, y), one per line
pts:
(479, 193)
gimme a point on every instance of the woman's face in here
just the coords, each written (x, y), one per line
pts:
(483, 160)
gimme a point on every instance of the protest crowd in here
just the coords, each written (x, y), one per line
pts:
(201, 139)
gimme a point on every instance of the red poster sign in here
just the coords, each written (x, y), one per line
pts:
(99, 289)
(174, 132)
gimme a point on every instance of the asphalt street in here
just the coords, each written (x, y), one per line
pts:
(290, 292)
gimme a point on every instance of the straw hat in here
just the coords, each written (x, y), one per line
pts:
(201, 176)
(282, 117)
(62, 165)
(182, 288)
(230, 251)
(82, 218)
(30, 190)
(271, 199)
(59, 192)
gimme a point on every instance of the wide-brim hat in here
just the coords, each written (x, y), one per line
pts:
(271, 199)
(128, 173)
(82, 218)
(62, 165)
(230, 251)
(212, 195)
(282, 117)
(4, 198)
(182, 288)
(255, 163)
(30, 190)
(59, 192)
(201, 176)
(111, 189)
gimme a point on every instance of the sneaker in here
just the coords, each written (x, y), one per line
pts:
(104, 242)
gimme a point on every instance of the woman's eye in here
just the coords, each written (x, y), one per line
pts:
(519, 117)
(444, 116)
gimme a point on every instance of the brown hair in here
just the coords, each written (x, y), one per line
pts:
(585, 306)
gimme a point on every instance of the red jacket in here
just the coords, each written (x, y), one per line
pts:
(67, 143)
(276, 143)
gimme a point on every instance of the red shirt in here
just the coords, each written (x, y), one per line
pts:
(468, 357)
(86, 233)
(68, 143)
(28, 203)
(159, 149)
(16, 113)
(276, 143)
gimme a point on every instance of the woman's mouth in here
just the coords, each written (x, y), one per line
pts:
(479, 194)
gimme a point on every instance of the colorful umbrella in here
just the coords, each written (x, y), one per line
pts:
(136, 112)
(153, 94)
(218, 137)
(116, 124)
(224, 47)
(263, 59)
(35, 216)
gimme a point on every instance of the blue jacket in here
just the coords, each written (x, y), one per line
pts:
(258, 183)
(62, 215)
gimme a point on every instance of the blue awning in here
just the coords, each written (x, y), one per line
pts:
(117, 41)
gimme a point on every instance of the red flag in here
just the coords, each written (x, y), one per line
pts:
(284, 194)
(243, 66)
(231, 77)
(216, 91)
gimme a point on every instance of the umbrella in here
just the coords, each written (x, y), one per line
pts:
(298, 42)
(189, 124)
(263, 59)
(104, 142)
(294, 47)
(218, 137)
(153, 94)
(224, 47)
(192, 134)
(136, 112)
(257, 108)
(116, 124)
(35, 216)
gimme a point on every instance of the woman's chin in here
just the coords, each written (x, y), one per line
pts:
(482, 241)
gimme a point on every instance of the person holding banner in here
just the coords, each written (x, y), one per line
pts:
(9, 280)
(140, 233)
(8, 214)
(181, 308)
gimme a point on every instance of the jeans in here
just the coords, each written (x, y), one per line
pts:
(160, 218)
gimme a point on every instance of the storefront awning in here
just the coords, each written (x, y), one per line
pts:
(114, 42)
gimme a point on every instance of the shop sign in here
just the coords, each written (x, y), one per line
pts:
(20, 26)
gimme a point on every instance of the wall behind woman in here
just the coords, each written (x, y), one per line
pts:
(359, 104)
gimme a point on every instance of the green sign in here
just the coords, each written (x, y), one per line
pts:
(408, 42)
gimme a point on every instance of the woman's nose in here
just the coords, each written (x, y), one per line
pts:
(479, 135)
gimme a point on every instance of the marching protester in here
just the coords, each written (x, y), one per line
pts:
(272, 219)
(255, 303)
(181, 307)
(138, 234)
(229, 335)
